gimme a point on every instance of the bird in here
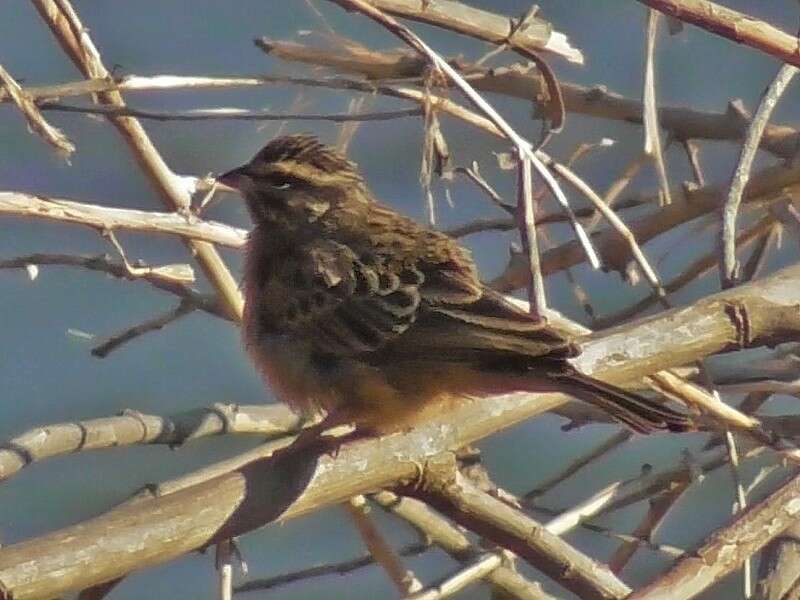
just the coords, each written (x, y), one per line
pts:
(359, 313)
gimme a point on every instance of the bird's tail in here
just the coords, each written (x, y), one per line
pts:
(637, 412)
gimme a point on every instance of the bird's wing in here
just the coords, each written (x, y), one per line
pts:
(351, 301)
(409, 295)
(487, 329)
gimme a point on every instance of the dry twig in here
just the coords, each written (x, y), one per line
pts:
(652, 132)
(52, 135)
(729, 269)
(77, 44)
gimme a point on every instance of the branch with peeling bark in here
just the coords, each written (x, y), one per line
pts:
(735, 26)
(728, 548)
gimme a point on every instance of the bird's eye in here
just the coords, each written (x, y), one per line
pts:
(281, 184)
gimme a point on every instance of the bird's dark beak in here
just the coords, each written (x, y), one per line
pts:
(233, 178)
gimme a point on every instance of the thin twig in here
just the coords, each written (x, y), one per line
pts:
(473, 174)
(230, 113)
(168, 278)
(729, 269)
(724, 415)
(660, 505)
(691, 273)
(462, 578)
(573, 517)
(693, 155)
(741, 505)
(223, 560)
(612, 218)
(76, 42)
(652, 132)
(579, 463)
(404, 580)
(536, 292)
(339, 568)
(37, 123)
(155, 324)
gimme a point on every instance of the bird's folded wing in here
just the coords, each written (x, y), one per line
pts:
(489, 328)
(352, 304)
(357, 305)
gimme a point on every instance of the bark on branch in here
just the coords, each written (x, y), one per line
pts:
(199, 510)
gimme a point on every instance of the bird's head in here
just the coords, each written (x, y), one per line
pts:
(295, 179)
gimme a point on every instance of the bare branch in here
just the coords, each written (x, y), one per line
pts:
(520, 81)
(736, 26)
(225, 500)
(450, 492)
(726, 549)
(493, 121)
(340, 568)
(230, 113)
(537, 34)
(404, 580)
(579, 463)
(132, 427)
(778, 572)
(77, 44)
(652, 132)
(156, 323)
(769, 185)
(660, 505)
(447, 536)
(691, 273)
(729, 269)
(106, 218)
(37, 123)
(168, 278)
(462, 578)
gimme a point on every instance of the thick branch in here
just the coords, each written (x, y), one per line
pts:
(201, 511)
(535, 36)
(726, 549)
(736, 26)
(447, 490)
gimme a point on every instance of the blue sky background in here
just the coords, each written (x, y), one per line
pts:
(49, 376)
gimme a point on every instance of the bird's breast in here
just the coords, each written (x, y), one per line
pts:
(287, 366)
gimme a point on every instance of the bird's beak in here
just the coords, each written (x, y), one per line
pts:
(233, 179)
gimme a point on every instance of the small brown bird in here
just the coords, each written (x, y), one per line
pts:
(359, 311)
